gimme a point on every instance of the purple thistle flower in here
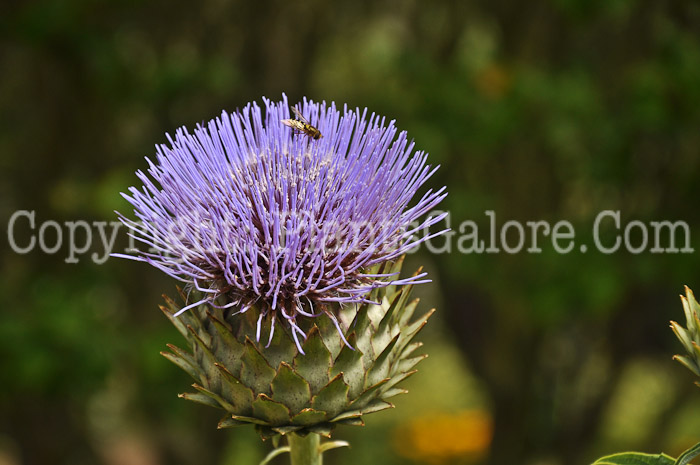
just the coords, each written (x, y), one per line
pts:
(252, 214)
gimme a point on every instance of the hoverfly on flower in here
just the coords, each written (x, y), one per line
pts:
(301, 125)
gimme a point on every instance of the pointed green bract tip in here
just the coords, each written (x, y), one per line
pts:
(689, 336)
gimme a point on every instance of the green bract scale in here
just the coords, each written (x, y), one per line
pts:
(690, 335)
(281, 390)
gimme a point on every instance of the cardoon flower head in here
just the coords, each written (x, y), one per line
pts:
(267, 221)
(254, 215)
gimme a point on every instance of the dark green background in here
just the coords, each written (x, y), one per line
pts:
(541, 110)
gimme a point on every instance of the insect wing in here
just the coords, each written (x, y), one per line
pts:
(299, 116)
(301, 125)
(294, 124)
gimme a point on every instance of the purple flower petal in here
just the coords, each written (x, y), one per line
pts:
(248, 212)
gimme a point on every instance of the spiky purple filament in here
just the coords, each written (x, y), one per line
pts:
(252, 215)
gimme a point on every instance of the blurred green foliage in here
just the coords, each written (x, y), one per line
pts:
(543, 110)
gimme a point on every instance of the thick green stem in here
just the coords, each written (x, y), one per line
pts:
(305, 450)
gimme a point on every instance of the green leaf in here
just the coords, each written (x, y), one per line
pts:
(349, 362)
(352, 422)
(686, 301)
(290, 389)
(314, 366)
(359, 325)
(201, 346)
(396, 379)
(376, 405)
(688, 363)
(271, 411)
(333, 398)
(393, 392)
(380, 368)
(322, 429)
(255, 421)
(376, 312)
(309, 417)
(179, 325)
(184, 360)
(229, 422)
(281, 348)
(368, 395)
(329, 334)
(383, 333)
(255, 371)
(233, 390)
(409, 332)
(332, 445)
(226, 405)
(265, 432)
(200, 399)
(696, 346)
(283, 430)
(407, 312)
(348, 414)
(691, 309)
(683, 336)
(689, 455)
(406, 365)
(635, 458)
(228, 349)
(410, 348)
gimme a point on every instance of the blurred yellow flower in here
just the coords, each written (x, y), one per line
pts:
(493, 81)
(442, 437)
